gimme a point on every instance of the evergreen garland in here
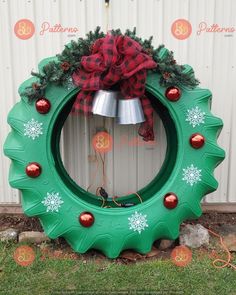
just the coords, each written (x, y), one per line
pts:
(59, 72)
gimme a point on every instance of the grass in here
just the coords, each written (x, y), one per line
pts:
(93, 276)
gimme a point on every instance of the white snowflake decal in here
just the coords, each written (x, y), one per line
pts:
(53, 202)
(33, 129)
(138, 222)
(195, 116)
(192, 175)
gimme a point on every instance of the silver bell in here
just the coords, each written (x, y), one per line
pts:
(105, 103)
(130, 111)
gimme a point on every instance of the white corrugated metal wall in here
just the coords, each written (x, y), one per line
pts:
(211, 54)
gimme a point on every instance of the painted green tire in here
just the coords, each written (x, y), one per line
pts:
(187, 172)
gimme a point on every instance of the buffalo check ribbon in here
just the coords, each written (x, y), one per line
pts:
(115, 60)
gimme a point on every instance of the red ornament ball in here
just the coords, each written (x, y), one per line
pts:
(86, 219)
(173, 93)
(43, 105)
(33, 169)
(197, 140)
(170, 201)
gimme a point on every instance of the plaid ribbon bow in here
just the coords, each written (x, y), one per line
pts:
(115, 59)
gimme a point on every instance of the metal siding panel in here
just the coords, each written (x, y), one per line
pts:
(7, 99)
(222, 88)
(129, 167)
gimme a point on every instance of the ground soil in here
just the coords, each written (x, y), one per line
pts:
(20, 222)
(59, 247)
(212, 220)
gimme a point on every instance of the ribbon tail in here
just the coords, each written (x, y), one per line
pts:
(146, 128)
(83, 102)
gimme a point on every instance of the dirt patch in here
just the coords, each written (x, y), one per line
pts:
(60, 249)
(212, 220)
(20, 222)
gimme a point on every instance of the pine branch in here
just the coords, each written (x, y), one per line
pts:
(58, 72)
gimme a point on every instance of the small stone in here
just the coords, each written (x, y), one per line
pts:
(166, 244)
(9, 234)
(153, 253)
(228, 233)
(33, 237)
(194, 236)
(230, 242)
(225, 229)
(131, 255)
(58, 253)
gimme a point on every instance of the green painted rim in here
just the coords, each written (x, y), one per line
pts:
(58, 201)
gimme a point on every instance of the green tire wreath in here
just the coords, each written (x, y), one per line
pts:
(61, 205)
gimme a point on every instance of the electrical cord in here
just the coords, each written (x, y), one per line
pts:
(226, 262)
